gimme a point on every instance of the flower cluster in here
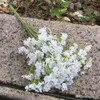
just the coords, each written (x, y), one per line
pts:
(54, 64)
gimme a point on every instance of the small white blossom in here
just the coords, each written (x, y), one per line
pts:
(44, 30)
(64, 87)
(43, 37)
(29, 77)
(46, 88)
(55, 69)
(23, 50)
(27, 42)
(38, 70)
(88, 64)
(64, 36)
(31, 58)
(39, 54)
(63, 43)
(45, 48)
(88, 48)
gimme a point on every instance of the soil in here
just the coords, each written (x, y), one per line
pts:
(41, 10)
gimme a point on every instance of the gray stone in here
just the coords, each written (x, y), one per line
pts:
(15, 94)
(13, 65)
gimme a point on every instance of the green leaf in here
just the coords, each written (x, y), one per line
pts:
(84, 6)
(58, 1)
(65, 4)
(32, 69)
(97, 15)
(57, 11)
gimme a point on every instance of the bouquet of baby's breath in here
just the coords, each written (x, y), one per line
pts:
(53, 66)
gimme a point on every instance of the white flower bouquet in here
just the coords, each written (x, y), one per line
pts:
(54, 64)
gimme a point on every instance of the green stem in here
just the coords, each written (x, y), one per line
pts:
(30, 30)
(32, 69)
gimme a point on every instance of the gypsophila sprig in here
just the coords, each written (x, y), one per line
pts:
(52, 66)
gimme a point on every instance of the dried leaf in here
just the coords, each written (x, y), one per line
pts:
(6, 10)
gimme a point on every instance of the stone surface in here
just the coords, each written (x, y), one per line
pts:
(15, 94)
(13, 65)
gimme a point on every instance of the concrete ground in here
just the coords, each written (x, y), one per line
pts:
(13, 65)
